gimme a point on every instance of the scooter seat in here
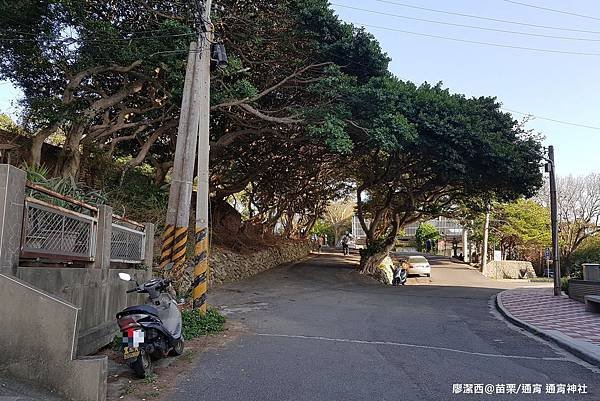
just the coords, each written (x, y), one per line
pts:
(148, 309)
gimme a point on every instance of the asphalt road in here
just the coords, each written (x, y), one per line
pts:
(319, 331)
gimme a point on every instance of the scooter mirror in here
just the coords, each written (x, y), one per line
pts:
(124, 276)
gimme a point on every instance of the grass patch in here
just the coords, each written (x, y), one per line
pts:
(150, 379)
(117, 342)
(541, 280)
(127, 388)
(188, 356)
(196, 325)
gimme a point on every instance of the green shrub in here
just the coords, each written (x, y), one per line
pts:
(426, 231)
(196, 325)
(588, 252)
(564, 284)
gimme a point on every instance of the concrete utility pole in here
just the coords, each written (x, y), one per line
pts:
(194, 109)
(486, 232)
(551, 166)
(177, 222)
(199, 286)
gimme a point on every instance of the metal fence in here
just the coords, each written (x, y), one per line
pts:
(53, 232)
(127, 245)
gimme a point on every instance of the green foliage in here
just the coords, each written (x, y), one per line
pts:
(321, 227)
(306, 110)
(117, 342)
(196, 325)
(7, 123)
(64, 186)
(587, 252)
(564, 284)
(524, 223)
(426, 231)
(521, 228)
(137, 197)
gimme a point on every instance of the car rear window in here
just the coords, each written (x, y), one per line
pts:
(417, 259)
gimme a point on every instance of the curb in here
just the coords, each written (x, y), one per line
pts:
(577, 348)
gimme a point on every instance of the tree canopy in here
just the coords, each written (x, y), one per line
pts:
(305, 112)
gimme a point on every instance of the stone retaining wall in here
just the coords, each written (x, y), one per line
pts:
(229, 266)
(507, 269)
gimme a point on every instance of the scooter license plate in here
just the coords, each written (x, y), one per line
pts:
(131, 352)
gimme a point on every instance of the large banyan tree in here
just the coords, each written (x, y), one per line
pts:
(304, 112)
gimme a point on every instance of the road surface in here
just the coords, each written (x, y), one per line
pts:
(319, 331)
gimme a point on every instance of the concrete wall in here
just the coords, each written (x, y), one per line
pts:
(578, 289)
(99, 293)
(591, 271)
(12, 198)
(39, 340)
(501, 269)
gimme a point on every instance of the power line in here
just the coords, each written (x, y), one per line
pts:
(552, 119)
(486, 18)
(463, 25)
(478, 42)
(552, 10)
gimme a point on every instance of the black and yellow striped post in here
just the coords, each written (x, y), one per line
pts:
(167, 246)
(178, 252)
(200, 284)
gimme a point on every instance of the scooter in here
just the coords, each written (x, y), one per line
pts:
(400, 276)
(152, 330)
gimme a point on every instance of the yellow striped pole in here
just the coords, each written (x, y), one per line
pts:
(167, 246)
(200, 284)
(178, 251)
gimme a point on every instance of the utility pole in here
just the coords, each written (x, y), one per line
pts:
(200, 283)
(194, 110)
(551, 167)
(486, 231)
(174, 238)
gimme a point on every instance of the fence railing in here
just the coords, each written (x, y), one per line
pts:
(51, 231)
(127, 245)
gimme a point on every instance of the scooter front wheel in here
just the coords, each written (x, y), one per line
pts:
(178, 348)
(142, 366)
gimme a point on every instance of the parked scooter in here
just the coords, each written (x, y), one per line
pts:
(400, 276)
(152, 330)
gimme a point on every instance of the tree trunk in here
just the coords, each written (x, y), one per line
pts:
(35, 153)
(369, 262)
(70, 158)
(37, 142)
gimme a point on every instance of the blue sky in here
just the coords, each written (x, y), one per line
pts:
(552, 85)
(556, 86)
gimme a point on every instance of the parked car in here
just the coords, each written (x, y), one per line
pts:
(417, 265)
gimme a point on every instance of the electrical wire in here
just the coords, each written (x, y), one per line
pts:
(552, 119)
(552, 10)
(535, 49)
(463, 25)
(486, 18)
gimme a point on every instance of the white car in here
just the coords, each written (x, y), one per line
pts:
(418, 265)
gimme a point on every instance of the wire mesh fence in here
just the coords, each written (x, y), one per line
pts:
(54, 232)
(127, 244)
